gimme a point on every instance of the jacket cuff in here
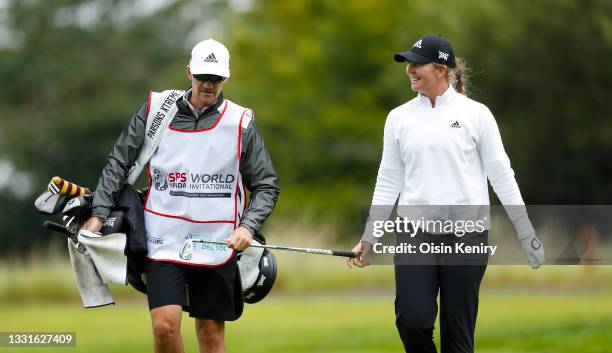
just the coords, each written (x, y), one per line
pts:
(249, 226)
(101, 212)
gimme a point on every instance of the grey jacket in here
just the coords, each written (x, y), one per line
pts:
(255, 164)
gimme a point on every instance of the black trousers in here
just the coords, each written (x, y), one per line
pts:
(417, 288)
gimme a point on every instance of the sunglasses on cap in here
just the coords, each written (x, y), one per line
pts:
(209, 78)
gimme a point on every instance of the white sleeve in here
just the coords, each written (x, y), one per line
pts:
(391, 170)
(389, 181)
(501, 176)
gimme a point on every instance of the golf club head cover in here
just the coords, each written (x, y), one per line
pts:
(76, 212)
(114, 223)
(77, 206)
(248, 262)
(49, 203)
(265, 279)
(58, 185)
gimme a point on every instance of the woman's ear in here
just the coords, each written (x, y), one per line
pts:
(441, 71)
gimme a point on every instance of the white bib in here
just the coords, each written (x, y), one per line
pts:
(196, 190)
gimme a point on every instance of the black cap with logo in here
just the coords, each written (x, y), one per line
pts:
(428, 49)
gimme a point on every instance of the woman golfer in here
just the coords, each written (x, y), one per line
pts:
(439, 149)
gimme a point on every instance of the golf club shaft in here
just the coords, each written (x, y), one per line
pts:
(289, 248)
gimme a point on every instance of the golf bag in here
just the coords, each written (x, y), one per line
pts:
(257, 266)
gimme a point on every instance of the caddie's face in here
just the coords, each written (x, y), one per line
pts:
(424, 78)
(205, 88)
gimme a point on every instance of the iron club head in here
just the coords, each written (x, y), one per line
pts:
(186, 252)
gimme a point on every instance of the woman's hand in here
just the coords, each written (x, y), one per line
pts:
(534, 250)
(361, 249)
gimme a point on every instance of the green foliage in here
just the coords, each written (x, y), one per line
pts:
(74, 87)
(321, 79)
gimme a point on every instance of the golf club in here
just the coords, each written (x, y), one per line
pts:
(187, 249)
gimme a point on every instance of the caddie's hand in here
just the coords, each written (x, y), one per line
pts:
(240, 239)
(361, 249)
(93, 224)
(534, 250)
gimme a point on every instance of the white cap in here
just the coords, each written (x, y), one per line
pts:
(210, 57)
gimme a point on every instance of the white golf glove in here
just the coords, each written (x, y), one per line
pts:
(534, 250)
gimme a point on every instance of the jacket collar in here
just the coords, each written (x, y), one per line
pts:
(183, 104)
(446, 98)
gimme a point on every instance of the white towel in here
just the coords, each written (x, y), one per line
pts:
(106, 251)
(94, 292)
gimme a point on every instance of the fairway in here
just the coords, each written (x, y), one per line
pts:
(511, 321)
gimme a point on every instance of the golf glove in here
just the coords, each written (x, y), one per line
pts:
(534, 250)
(532, 246)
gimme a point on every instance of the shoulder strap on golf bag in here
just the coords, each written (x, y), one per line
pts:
(159, 115)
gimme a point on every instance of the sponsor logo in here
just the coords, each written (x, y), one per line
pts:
(155, 240)
(160, 180)
(211, 58)
(535, 244)
(201, 185)
(442, 55)
(161, 114)
(418, 44)
(456, 125)
(111, 222)
(265, 262)
(206, 246)
(180, 177)
(73, 203)
(261, 281)
(212, 178)
(191, 236)
(177, 180)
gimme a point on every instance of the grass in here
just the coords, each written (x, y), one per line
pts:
(508, 322)
(318, 305)
(51, 279)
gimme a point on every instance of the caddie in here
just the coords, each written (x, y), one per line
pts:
(205, 153)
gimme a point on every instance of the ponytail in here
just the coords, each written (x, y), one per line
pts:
(458, 76)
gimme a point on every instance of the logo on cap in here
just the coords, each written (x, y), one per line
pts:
(442, 55)
(211, 58)
(418, 44)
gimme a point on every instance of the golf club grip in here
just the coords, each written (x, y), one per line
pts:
(343, 253)
(56, 227)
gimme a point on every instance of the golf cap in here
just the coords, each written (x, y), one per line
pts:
(429, 48)
(210, 57)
